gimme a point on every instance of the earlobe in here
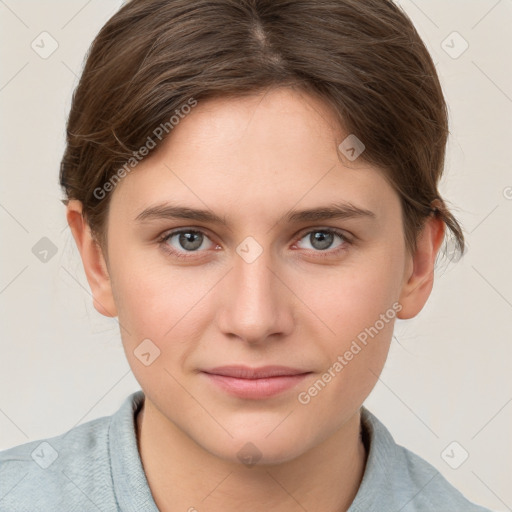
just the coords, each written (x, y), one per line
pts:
(419, 281)
(93, 260)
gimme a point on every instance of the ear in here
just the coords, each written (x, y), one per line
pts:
(93, 260)
(419, 276)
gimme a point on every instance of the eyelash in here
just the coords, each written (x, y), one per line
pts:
(322, 254)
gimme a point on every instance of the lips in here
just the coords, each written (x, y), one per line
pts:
(255, 383)
(246, 372)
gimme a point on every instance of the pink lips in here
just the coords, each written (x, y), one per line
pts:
(255, 383)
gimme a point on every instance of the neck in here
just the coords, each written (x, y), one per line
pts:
(184, 476)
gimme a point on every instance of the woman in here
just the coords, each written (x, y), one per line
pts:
(253, 188)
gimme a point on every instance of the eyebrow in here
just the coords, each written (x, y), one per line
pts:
(343, 210)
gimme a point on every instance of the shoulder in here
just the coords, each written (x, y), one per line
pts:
(402, 479)
(70, 471)
(432, 491)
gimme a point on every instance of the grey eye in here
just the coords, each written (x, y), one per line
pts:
(322, 239)
(187, 240)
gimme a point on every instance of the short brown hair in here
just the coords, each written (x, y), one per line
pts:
(364, 59)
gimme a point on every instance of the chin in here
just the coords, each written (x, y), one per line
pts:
(256, 450)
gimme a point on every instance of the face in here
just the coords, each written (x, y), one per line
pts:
(262, 284)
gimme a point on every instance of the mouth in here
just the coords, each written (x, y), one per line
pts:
(255, 383)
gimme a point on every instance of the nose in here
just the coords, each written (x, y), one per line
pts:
(254, 301)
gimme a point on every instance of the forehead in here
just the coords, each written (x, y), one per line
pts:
(261, 153)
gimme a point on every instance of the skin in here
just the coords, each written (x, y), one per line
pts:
(252, 160)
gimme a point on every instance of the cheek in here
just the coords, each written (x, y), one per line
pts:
(359, 304)
(162, 303)
(355, 296)
(151, 295)
(154, 310)
(362, 316)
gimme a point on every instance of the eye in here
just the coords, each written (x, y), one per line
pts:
(322, 239)
(180, 242)
(183, 241)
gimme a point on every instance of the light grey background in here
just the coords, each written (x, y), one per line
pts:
(447, 377)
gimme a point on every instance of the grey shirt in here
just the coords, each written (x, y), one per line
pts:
(96, 466)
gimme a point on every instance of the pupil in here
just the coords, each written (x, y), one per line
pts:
(324, 238)
(186, 240)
